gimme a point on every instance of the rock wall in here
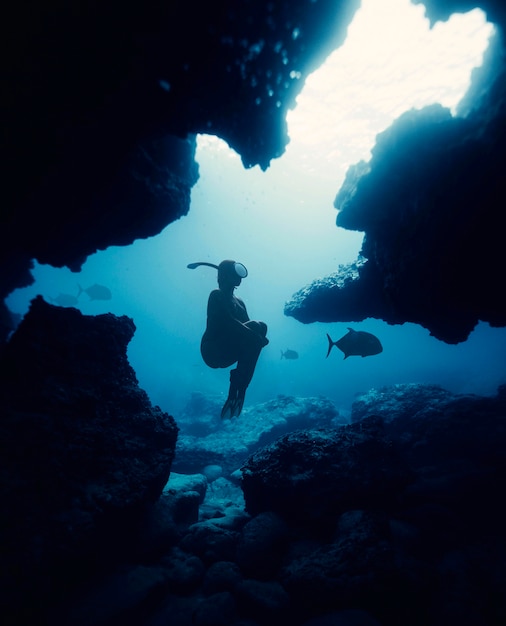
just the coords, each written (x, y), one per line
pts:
(82, 449)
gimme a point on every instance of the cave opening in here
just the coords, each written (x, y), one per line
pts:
(281, 224)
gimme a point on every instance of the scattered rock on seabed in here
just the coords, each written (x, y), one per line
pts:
(376, 523)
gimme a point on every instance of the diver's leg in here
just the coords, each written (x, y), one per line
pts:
(216, 355)
(233, 394)
(244, 373)
(240, 377)
(246, 367)
(247, 362)
(250, 351)
(260, 328)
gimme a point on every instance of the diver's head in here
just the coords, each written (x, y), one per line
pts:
(229, 272)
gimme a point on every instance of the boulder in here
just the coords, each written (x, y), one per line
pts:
(310, 477)
(83, 451)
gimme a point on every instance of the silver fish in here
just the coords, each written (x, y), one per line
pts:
(356, 343)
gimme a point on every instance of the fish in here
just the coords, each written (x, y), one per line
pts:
(65, 299)
(96, 292)
(290, 354)
(356, 343)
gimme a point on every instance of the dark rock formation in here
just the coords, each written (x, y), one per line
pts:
(400, 500)
(395, 519)
(356, 568)
(352, 291)
(83, 451)
(429, 202)
(454, 442)
(311, 476)
(101, 105)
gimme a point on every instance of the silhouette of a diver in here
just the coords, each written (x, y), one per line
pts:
(230, 336)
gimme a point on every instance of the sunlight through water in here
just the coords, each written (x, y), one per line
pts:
(392, 61)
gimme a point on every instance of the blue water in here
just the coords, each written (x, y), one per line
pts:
(256, 218)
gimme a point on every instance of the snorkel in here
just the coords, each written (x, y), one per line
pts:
(225, 266)
(192, 266)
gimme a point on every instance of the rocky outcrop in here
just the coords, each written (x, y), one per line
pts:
(427, 202)
(401, 499)
(408, 401)
(311, 476)
(352, 291)
(82, 449)
(102, 106)
(450, 440)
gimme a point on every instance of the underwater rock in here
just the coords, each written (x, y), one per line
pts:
(214, 540)
(201, 415)
(228, 443)
(430, 552)
(350, 617)
(212, 472)
(452, 442)
(311, 476)
(357, 564)
(221, 576)
(265, 600)
(436, 507)
(182, 483)
(120, 593)
(397, 401)
(349, 290)
(418, 439)
(82, 448)
(215, 610)
(262, 545)
(429, 195)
